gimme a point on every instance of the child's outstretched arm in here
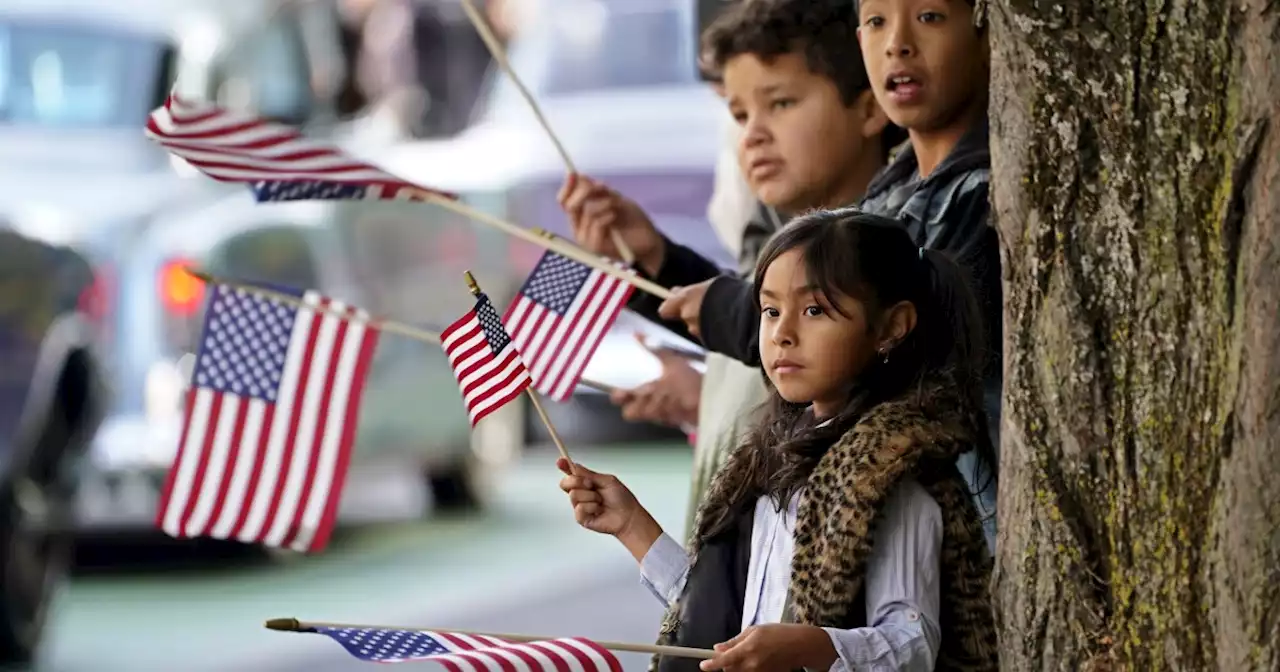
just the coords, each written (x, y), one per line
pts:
(601, 503)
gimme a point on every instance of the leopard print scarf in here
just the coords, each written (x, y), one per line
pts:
(916, 436)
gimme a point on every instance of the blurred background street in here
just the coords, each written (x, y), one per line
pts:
(524, 567)
(438, 525)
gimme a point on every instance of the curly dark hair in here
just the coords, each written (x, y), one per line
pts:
(825, 31)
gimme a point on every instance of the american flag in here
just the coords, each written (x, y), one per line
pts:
(559, 318)
(276, 161)
(473, 653)
(270, 420)
(487, 365)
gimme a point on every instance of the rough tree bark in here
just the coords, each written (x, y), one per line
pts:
(1136, 185)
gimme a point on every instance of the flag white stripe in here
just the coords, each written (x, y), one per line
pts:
(575, 320)
(555, 645)
(610, 297)
(527, 338)
(306, 442)
(504, 654)
(598, 660)
(352, 342)
(255, 418)
(545, 661)
(267, 164)
(557, 330)
(198, 426)
(237, 175)
(293, 366)
(537, 335)
(512, 364)
(207, 494)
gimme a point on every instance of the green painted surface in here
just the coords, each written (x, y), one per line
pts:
(211, 620)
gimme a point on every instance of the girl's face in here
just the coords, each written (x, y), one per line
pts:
(811, 351)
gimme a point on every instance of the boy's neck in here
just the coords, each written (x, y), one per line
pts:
(931, 148)
(850, 191)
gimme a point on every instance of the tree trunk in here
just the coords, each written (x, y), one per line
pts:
(1136, 185)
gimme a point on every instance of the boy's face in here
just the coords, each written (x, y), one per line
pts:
(801, 146)
(926, 60)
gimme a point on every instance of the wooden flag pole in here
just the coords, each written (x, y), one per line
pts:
(382, 325)
(500, 57)
(548, 241)
(533, 394)
(294, 625)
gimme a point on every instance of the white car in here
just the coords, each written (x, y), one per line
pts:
(77, 80)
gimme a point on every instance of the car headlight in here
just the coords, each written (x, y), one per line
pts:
(165, 384)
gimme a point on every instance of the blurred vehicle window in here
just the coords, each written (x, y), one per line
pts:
(579, 46)
(270, 74)
(56, 74)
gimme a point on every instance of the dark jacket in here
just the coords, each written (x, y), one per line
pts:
(915, 436)
(682, 267)
(945, 211)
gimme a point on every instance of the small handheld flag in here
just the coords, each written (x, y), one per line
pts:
(277, 162)
(472, 653)
(486, 363)
(270, 419)
(558, 319)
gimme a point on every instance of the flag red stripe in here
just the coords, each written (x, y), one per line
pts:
(539, 316)
(267, 170)
(237, 434)
(504, 399)
(286, 461)
(330, 517)
(612, 660)
(557, 658)
(206, 448)
(251, 490)
(603, 315)
(476, 657)
(221, 144)
(578, 333)
(317, 438)
(188, 408)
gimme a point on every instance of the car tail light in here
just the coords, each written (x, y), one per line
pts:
(181, 292)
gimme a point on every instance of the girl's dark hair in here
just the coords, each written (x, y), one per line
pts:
(874, 260)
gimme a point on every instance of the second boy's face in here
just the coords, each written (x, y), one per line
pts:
(801, 146)
(925, 58)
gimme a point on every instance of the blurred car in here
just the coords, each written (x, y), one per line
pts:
(77, 80)
(51, 401)
(618, 82)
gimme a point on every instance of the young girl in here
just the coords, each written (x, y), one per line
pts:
(841, 534)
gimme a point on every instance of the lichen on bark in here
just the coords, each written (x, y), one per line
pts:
(1127, 186)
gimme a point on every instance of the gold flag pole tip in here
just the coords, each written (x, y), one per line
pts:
(284, 624)
(471, 282)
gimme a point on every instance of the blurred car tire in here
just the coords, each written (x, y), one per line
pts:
(36, 520)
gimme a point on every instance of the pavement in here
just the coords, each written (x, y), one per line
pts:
(521, 567)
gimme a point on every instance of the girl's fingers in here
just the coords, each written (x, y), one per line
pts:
(570, 183)
(576, 482)
(585, 496)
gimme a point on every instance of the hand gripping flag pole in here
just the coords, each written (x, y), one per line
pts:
(500, 57)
